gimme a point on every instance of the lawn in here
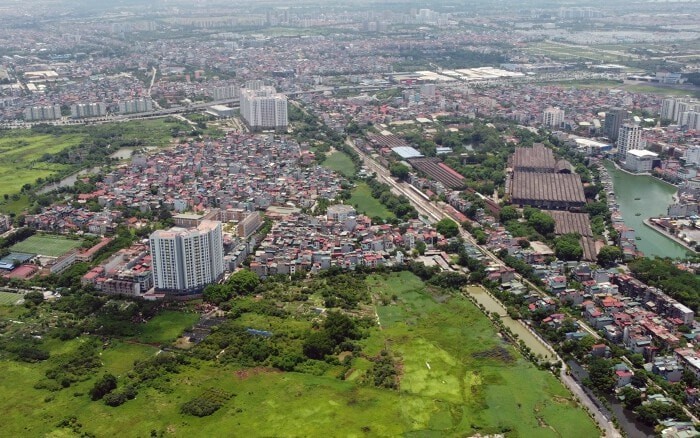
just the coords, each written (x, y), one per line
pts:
(366, 204)
(9, 298)
(340, 162)
(46, 244)
(166, 327)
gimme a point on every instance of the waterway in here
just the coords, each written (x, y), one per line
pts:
(492, 305)
(648, 197)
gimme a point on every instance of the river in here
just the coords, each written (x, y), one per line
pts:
(648, 197)
(518, 328)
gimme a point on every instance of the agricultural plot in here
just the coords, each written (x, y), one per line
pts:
(340, 162)
(9, 298)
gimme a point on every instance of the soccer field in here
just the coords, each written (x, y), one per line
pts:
(48, 245)
(8, 298)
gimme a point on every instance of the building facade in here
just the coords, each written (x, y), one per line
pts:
(553, 117)
(264, 108)
(187, 260)
(629, 138)
(613, 120)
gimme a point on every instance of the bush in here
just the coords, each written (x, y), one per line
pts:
(104, 386)
(115, 399)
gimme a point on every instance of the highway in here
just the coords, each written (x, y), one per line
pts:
(435, 213)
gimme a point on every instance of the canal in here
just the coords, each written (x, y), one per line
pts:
(641, 197)
(518, 328)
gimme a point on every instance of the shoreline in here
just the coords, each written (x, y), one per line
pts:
(664, 233)
(622, 169)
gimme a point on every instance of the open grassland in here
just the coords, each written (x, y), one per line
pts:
(340, 162)
(368, 205)
(20, 152)
(166, 327)
(45, 244)
(450, 352)
(458, 378)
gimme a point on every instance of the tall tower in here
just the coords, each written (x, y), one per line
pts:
(613, 120)
(629, 138)
(187, 260)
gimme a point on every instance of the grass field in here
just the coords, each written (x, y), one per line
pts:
(45, 244)
(166, 327)
(20, 151)
(9, 298)
(366, 204)
(340, 162)
(458, 379)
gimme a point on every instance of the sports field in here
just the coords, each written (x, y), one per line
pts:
(46, 244)
(9, 298)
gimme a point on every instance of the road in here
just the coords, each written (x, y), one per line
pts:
(436, 213)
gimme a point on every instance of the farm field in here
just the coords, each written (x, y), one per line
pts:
(458, 378)
(368, 205)
(340, 162)
(45, 244)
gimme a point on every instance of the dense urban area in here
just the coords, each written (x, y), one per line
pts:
(447, 218)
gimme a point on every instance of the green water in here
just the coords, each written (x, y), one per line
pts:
(654, 198)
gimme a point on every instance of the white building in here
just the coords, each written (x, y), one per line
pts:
(640, 160)
(223, 93)
(38, 113)
(187, 260)
(264, 108)
(692, 155)
(629, 138)
(136, 106)
(553, 117)
(82, 110)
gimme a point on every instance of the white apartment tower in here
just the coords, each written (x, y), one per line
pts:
(553, 117)
(187, 260)
(629, 138)
(264, 108)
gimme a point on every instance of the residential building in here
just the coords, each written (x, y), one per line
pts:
(264, 108)
(46, 112)
(553, 117)
(613, 120)
(629, 138)
(82, 110)
(187, 260)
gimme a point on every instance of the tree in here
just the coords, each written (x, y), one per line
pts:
(447, 227)
(33, 298)
(244, 282)
(601, 374)
(399, 171)
(541, 222)
(340, 327)
(317, 345)
(633, 397)
(508, 213)
(609, 255)
(103, 387)
(567, 247)
(216, 293)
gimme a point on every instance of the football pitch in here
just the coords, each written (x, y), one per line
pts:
(48, 245)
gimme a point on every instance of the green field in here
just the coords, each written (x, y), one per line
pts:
(340, 162)
(366, 204)
(458, 378)
(9, 298)
(166, 327)
(20, 151)
(46, 244)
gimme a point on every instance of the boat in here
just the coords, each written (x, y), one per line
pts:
(637, 199)
(638, 214)
(637, 238)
